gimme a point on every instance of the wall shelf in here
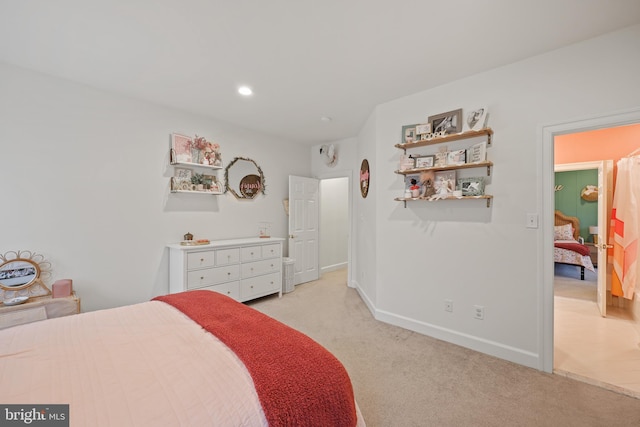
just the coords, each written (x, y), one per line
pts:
(451, 167)
(488, 132)
(454, 137)
(427, 199)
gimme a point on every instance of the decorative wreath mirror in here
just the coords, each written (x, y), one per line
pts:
(21, 275)
(244, 178)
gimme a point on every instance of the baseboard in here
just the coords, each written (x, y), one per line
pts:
(481, 345)
(333, 267)
(492, 348)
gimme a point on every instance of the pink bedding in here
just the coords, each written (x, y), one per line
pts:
(139, 365)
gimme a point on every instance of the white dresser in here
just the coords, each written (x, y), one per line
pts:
(243, 269)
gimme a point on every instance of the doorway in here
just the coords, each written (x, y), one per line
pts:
(334, 224)
(547, 203)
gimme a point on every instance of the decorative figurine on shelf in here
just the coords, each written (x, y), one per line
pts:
(415, 188)
(426, 179)
(188, 237)
(265, 230)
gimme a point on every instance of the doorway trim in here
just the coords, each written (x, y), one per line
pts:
(546, 202)
(349, 175)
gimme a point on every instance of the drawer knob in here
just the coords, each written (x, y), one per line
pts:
(228, 273)
(251, 286)
(201, 277)
(201, 259)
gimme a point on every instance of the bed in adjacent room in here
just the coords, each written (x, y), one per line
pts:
(195, 358)
(568, 246)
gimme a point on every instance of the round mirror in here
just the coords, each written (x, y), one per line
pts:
(18, 273)
(21, 274)
(244, 178)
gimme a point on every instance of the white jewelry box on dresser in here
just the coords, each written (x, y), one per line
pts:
(243, 269)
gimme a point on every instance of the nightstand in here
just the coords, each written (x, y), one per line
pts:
(38, 308)
(593, 253)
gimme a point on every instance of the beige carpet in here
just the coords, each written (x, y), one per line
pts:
(404, 379)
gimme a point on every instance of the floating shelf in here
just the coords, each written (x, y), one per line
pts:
(488, 164)
(453, 137)
(426, 199)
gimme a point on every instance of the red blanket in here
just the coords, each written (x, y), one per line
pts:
(298, 381)
(575, 247)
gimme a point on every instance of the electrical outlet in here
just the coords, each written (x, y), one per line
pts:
(478, 312)
(448, 305)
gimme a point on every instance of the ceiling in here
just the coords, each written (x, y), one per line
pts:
(304, 59)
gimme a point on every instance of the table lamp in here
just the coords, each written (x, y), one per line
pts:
(593, 230)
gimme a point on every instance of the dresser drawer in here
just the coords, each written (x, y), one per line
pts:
(261, 285)
(227, 256)
(271, 251)
(257, 268)
(231, 289)
(200, 260)
(211, 276)
(251, 253)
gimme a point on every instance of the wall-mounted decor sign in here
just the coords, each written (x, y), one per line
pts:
(244, 178)
(364, 178)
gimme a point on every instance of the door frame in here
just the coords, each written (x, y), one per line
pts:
(546, 203)
(349, 175)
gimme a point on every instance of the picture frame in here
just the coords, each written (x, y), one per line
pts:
(477, 153)
(181, 148)
(185, 173)
(473, 186)
(408, 134)
(425, 161)
(476, 119)
(449, 122)
(444, 182)
(408, 178)
(441, 159)
(456, 157)
(422, 130)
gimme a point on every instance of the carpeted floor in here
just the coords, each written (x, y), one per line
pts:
(402, 378)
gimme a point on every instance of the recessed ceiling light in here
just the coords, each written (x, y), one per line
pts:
(245, 90)
(325, 119)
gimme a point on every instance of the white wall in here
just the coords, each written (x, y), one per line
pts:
(334, 223)
(462, 250)
(85, 182)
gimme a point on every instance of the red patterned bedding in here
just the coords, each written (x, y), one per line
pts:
(299, 383)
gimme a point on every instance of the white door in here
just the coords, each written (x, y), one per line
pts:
(303, 227)
(605, 184)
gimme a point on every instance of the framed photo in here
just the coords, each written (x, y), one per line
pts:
(472, 186)
(411, 181)
(408, 133)
(456, 157)
(449, 122)
(183, 173)
(476, 119)
(441, 159)
(181, 148)
(422, 129)
(425, 161)
(477, 152)
(444, 182)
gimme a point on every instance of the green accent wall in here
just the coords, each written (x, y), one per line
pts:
(569, 202)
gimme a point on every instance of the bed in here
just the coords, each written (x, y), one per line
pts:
(195, 358)
(568, 246)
